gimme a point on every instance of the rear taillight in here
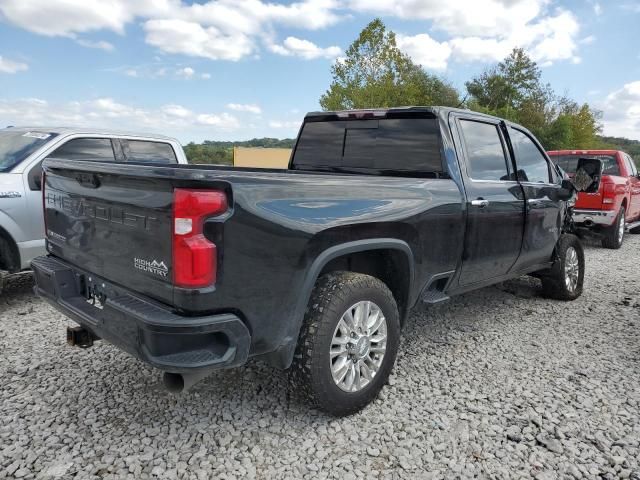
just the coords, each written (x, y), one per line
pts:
(608, 195)
(195, 262)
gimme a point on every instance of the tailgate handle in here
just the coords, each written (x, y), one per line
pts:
(90, 180)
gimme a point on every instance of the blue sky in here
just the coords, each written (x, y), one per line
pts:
(237, 69)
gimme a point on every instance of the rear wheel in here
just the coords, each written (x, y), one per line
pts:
(614, 235)
(348, 343)
(565, 279)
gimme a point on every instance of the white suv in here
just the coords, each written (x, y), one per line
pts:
(22, 151)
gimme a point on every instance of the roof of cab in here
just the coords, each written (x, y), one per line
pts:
(434, 110)
(89, 131)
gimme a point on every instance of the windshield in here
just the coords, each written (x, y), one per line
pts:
(15, 146)
(569, 163)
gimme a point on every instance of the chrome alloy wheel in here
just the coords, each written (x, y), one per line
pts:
(621, 228)
(571, 269)
(358, 346)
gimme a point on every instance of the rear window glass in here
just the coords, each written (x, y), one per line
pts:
(390, 144)
(97, 149)
(148, 152)
(569, 163)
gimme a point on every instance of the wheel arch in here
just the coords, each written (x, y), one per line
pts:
(324, 263)
(9, 252)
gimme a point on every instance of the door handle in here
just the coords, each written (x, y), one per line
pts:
(480, 203)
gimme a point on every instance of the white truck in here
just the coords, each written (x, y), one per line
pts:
(22, 151)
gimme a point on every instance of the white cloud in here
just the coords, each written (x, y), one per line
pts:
(106, 112)
(547, 39)
(293, 46)
(10, 66)
(191, 38)
(597, 8)
(621, 111)
(185, 72)
(177, 111)
(222, 120)
(101, 45)
(425, 50)
(215, 29)
(245, 107)
(205, 76)
(588, 40)
(285, 124)
(460, 17)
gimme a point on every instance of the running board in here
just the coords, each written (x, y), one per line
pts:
(434, 296)
(629, 226)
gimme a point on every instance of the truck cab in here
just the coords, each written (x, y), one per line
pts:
(22, 151)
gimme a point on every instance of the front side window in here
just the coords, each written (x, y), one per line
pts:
(16, 146)
(485, 152)
(532, 164)
(96, 149)
(148, 152)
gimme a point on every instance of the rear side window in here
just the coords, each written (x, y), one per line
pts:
(320, 144)
(148, 152)
(98, 149)
(485, 152)
(532, 164)
(390, 144)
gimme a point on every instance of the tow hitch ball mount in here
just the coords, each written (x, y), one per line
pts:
(80, 337)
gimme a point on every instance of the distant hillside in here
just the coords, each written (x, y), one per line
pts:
(632, 147)
(219, 152)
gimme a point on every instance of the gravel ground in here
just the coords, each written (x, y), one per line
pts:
(499, 383)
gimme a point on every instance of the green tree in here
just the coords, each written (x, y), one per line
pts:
(513, 89)
(375, 73)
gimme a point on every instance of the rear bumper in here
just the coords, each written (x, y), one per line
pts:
(149, 331)
(587, 218)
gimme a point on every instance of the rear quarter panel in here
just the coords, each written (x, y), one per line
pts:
(282, 223)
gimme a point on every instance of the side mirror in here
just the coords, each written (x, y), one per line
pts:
(588, 175)
(566, 191)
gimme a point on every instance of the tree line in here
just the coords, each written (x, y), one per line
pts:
(221, 152)
(375, 73)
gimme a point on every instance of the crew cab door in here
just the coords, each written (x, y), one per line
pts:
(495, 203)
(541, 187)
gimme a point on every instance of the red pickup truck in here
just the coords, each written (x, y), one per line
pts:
(615, 207)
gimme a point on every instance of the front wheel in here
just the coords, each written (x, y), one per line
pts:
(348, 343)
(565, 279)
(614, 235)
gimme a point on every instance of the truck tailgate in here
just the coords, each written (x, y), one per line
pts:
(116, 226)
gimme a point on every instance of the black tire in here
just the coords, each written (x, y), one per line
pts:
(311, 372)
(635, 230)
(554, 281)
(611, 235)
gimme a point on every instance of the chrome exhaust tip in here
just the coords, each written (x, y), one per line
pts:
(181, 382)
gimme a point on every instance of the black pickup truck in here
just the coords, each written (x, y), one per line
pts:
(313, 268)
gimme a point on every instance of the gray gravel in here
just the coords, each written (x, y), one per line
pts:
(499, 383)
